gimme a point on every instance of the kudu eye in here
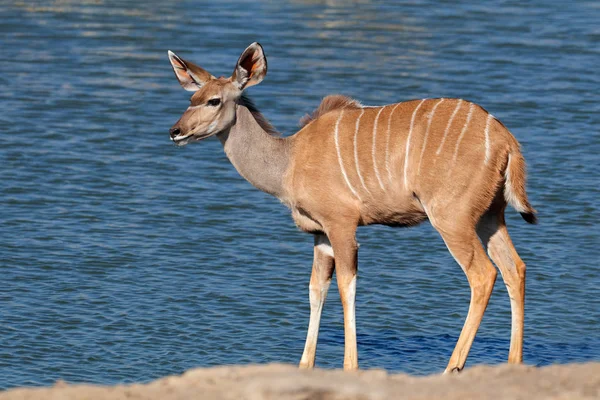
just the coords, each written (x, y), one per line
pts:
(213, 102)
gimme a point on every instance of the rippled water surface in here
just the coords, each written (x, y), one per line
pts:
(124, 258)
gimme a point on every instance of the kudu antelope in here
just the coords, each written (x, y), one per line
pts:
(445, 160)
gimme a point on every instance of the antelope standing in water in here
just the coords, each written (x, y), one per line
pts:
(445, 160)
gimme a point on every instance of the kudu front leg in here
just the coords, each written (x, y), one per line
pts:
(320, 279)
(343, 242)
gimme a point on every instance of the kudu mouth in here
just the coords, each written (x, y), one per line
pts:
(181, 139)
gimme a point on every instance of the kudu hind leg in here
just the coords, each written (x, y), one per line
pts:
(320, 279)
(481, 274)
(494, 236)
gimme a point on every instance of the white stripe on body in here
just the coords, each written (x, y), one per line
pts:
(362, 181)
(337, 147)
(373, 151)
(464, 129)
(387, 144)
(448, 126)
(487, 138)
(430, 118)
(412, 124)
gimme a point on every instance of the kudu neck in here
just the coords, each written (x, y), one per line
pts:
(261, 158)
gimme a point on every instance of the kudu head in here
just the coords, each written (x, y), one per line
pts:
(213, 104)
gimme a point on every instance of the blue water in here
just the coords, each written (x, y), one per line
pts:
(107, 278)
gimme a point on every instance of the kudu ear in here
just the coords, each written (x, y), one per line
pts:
(190, 76)
(251, 67)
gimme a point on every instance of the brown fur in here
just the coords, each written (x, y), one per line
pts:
(210, 89)
(514, 188)
(329, 103)
(445, 160)
(264, 123)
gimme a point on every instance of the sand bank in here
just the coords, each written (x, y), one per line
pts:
(285, 382)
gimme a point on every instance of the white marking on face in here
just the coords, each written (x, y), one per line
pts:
(211, 127)
(362, 111)
(464, 129)
(448, 126)
(412, 124)
(387, 143)
(429, 119)
(179, 139)
(339, 154)
(487, 138)
(194, 107)
(373, 151)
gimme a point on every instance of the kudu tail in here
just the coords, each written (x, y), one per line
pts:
(515, 177)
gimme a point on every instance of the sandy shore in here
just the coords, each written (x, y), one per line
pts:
(576, 381)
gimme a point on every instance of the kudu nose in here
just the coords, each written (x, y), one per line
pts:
(174, 132)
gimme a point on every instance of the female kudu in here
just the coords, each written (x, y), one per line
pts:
(446, 160)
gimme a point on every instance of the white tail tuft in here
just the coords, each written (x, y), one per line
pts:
(514, 187)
